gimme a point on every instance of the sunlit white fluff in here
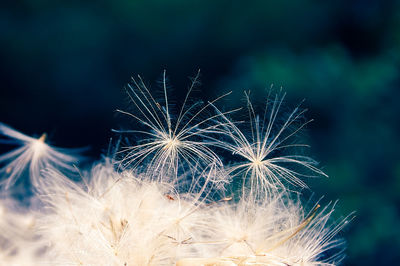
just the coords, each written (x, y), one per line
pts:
(277, 232)
(19, 242)
(33, 154)
(118, 219)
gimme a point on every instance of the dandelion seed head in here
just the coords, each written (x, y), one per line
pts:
(167, 200)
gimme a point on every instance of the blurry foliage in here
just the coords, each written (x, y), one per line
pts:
(63, 64)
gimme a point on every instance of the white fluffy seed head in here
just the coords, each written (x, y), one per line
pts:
(164, 204)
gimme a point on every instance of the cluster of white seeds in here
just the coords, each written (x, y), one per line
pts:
(195, 188)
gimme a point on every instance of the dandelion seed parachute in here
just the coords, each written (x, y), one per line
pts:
(33, 153)
(265, 172)
(163, 204)
(171, 144)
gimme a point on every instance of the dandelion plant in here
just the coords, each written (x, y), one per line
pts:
(193, 186)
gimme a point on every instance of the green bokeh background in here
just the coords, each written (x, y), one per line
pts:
(63, 65)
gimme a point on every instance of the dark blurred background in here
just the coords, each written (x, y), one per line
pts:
(63, 66)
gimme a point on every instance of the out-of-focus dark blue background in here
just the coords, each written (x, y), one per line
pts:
(63, 65)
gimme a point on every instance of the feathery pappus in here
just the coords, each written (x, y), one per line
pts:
(34, 154)
(171, 197)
